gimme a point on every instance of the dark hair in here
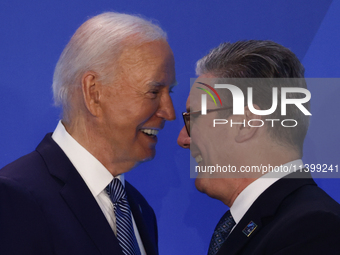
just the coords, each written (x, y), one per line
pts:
(262, 59)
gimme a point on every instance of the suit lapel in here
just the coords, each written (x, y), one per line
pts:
(137, 211)
(79, 198)
(262, 210)
(238, 238)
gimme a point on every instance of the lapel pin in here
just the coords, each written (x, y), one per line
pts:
(249, 229)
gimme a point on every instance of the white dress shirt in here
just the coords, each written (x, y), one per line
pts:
(248, 196)
(94, 174)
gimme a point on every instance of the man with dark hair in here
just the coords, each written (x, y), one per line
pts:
(249, 152)
(113, 81)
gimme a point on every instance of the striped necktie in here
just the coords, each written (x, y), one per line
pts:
(221, 233)
(125, 232)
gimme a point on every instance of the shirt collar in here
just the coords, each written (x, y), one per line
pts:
(95, 175)
(248, 196)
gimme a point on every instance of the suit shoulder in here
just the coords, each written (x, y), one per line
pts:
(311, 199)
(31, 172)
(309, 220)
(23, 166)
(33, 168)
(305, 222)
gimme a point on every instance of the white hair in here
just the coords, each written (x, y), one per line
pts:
(95, 46)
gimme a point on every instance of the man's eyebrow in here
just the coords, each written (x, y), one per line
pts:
(156, 83)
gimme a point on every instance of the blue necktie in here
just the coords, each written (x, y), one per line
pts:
(221, 233)
(125, 233)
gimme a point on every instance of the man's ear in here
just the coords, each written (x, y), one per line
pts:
(246, 132)
(91, 92)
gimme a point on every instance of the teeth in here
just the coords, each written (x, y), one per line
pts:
(150, 131)
(198, 159)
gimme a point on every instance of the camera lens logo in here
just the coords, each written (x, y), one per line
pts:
(204, 97)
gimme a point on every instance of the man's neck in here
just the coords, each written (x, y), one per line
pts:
(87, 136)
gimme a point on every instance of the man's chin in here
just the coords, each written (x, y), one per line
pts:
(143, 159)
(206, 186)
(201, 184)
(150, 156)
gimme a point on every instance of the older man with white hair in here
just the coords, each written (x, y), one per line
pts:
(69, 196)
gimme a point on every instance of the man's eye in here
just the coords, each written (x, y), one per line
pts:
(194, 115)
(153, 93)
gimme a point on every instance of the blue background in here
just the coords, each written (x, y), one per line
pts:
(34, 33)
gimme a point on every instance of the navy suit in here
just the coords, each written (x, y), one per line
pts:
(293, 216)
(46, 208)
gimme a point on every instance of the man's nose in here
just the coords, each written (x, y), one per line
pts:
(166, 109)
(183, 139)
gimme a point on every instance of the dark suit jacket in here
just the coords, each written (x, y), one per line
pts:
(46, 208)
(293, 216)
